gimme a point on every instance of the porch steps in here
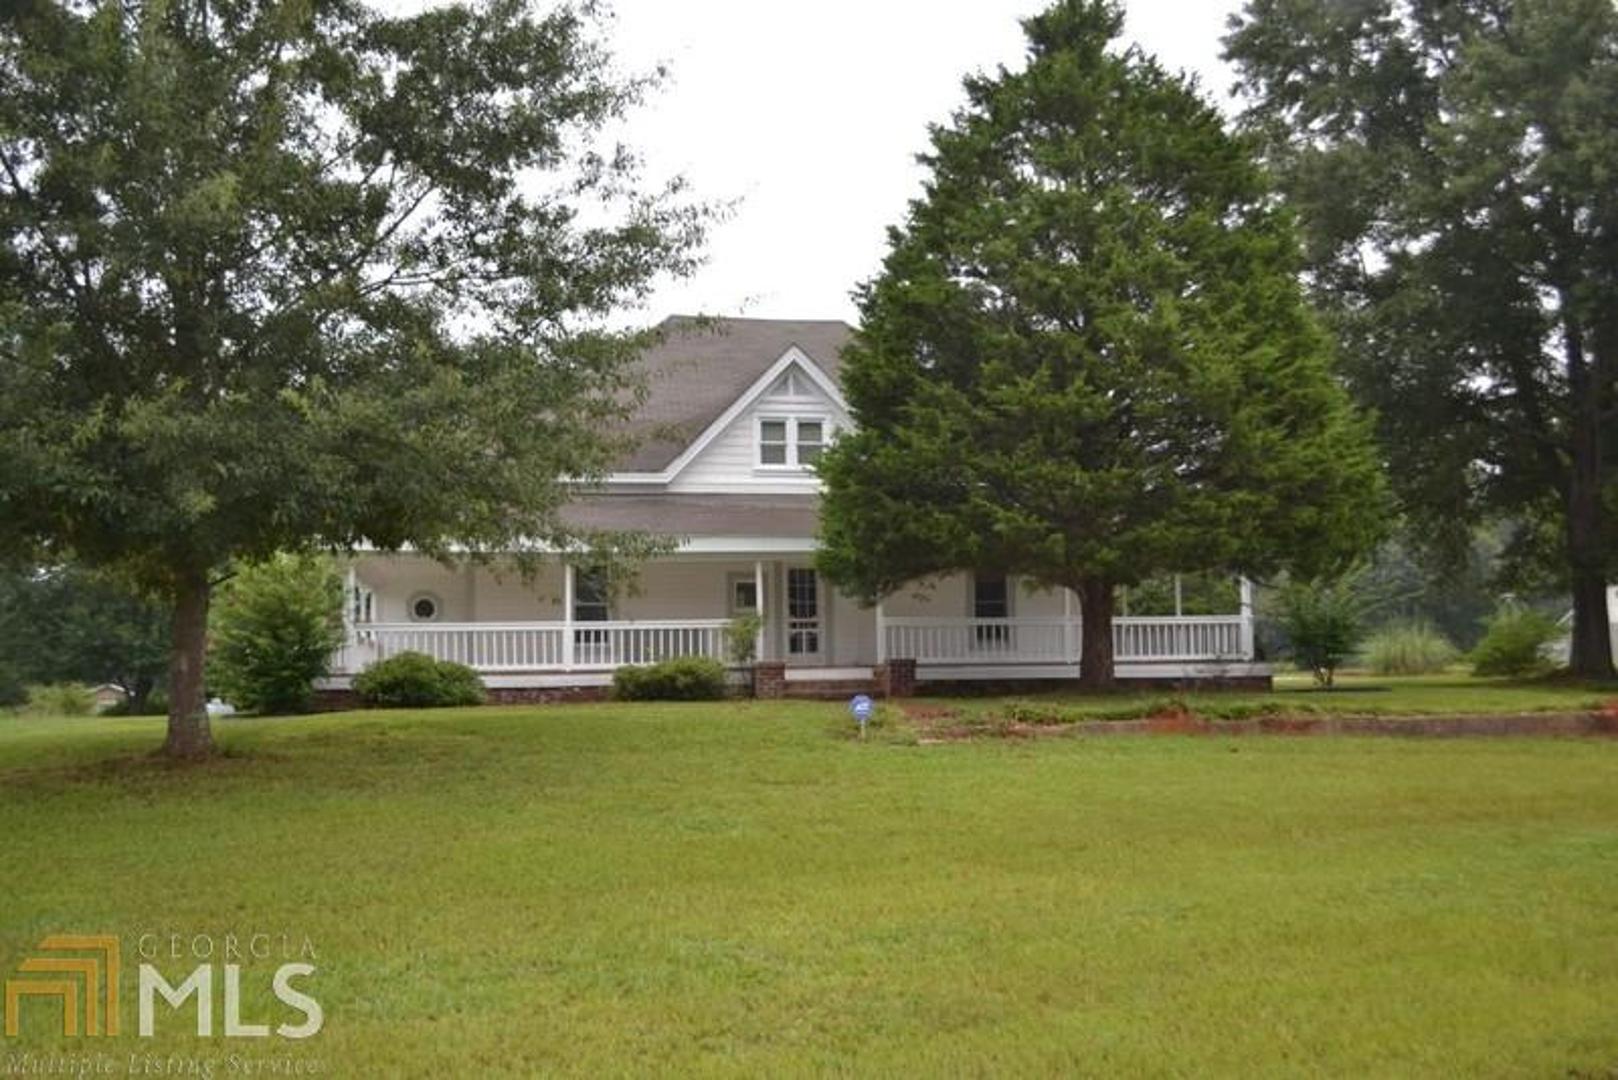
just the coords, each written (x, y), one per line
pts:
(833, 689)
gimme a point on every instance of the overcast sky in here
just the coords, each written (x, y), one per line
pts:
(809, 115)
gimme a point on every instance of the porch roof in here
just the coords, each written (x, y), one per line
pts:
(784, 516)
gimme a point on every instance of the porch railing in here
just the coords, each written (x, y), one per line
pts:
(556, 646)
(535, 646)
(1057, 639)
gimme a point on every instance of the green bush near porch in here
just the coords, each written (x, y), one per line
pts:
(688, 678)
(415, 680)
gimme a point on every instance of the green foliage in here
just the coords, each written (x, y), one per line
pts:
(282, 277)
(688, 678)
(741, 638)
(1408, 649)
(1324, 620)
(1454, 595)
(61, 699)
(415, 680)
(274, 629)
(1200, 594)
(156, 704)
(70, 624)
(1087, 359)
(1452, 165)
(1514, 642)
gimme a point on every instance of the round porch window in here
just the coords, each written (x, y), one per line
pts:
(424, 607)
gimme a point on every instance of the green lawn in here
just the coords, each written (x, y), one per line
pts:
(742, 889)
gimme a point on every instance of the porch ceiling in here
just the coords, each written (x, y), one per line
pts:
(783, 516)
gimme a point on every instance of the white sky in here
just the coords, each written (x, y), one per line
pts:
(809, 116)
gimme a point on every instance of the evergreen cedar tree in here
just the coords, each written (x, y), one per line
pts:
(279, 276)
(1087, 360)
(1455, 167)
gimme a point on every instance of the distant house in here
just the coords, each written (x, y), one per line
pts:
(107, 696)
(738, 410)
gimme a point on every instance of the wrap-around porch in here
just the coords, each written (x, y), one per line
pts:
(567, 627)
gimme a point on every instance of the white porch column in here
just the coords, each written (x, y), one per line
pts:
(347, 658)
(567, 616)
(882, 631)
(1179, 606)
(351, 597)
(763, 619)
(1247, 619)
(1067, 625)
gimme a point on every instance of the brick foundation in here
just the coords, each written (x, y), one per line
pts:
(1005, 687)
(547, 695)
(345, 700)
(896, 678)
(770, 679)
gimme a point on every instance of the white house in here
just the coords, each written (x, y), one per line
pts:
(737, 412)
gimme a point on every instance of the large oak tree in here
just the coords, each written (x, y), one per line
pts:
(282, 274)
(1087, 359)
(1455, 166)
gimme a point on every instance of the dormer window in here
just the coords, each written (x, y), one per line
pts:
(791, 442)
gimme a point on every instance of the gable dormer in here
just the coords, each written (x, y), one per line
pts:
(771, 438)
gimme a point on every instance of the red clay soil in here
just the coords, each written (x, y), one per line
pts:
(939, 724)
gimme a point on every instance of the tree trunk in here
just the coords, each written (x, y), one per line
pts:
(190, 737)
(1095, 646)
(1590, 654)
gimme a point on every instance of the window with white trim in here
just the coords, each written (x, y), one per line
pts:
(991, 599)
(792, 442)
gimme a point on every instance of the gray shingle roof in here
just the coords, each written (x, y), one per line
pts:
(702, 366)
(698, 515)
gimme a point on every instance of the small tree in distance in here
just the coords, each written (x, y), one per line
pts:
(1087, 360)
(1324, 621)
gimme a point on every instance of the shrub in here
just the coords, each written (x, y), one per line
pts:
(1324, 621)
(741, 638)
(61, 699)
(274, 631)
(1413, 648)
(689, 678)
(415, 680)
(1514, 643)
(156, 704)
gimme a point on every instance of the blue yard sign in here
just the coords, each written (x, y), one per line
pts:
(861, 706)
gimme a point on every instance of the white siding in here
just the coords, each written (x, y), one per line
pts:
(681, 590)
(730, 461)
(854, 633)
(465, 594)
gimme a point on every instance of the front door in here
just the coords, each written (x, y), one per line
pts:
(804, 629)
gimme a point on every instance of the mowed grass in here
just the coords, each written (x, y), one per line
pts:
(743, 889)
